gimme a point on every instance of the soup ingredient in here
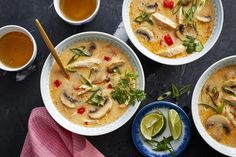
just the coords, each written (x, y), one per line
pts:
(92, 47)
(192, 45)
(114, 65)
(145, 33)
(16, 49)
(168, 4)
(215, 108)
(83, 89)
(81, 110)
(228, 90)
(173, 51)
(161, 19)
(144, 17)
(219, 124)
(163, 145)
(152, 124)
(87, 63)
(149, 7)
(57, 83)
(230, 83)
(175, 124)
(168, 40)
(73, 59)
(204, 19)
(96, 99)
(231, 114)
(175, 93)
(81, 51)
(125, 91)
(68, 100)
(78, 10)
(101, 111)
(107, 58)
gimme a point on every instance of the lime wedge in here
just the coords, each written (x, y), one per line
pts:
(152, 124)
(175, 124)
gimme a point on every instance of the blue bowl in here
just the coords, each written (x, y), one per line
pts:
(178, 145)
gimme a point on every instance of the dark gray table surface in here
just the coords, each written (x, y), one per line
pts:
(17, 99)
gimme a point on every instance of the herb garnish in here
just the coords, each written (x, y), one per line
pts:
(81, 51)
(95, 99)
(86, 81)
(192, 44)
(163, 145)
(175, 93)
(228, 90)
(125, 91)
(73, 59)
(144, 17)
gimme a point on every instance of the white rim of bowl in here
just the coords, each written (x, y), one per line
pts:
(17, 28)
(226, 150)
(56, 4)
(62, 120)
(163, 60)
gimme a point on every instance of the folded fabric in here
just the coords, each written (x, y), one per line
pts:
(45, 138)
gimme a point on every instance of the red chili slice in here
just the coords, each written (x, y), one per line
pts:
(168, 4)
(109, 86)
(81, 110)
(57, 83)
(168, 39)
(85, 123)
(107, 58)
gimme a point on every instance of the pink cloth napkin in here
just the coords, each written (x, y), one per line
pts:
(46, 138)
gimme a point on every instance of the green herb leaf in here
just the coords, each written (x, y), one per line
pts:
(175, 92)
(164, 96)
(73, 59)
(144, 17)
(192, 45)
(81, 51)
(95, 99)
(86, 81)
(228, 90)
(125, 90)
(184, 89)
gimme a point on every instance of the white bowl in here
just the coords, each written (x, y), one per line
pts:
(179, 61)
(13, 28)
(60, 13)
(229, 151)
(45, 80)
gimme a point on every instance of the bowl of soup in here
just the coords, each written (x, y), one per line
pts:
(214, 107)
(173, 32)
(18, 48)
(105, 87)
(77, 12)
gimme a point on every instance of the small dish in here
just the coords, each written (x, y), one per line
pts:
(219, 19)
(226, 150)
(179, 145)
(77, 23)
(45, 80)
(14, 28)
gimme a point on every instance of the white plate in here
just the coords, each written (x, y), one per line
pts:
(195, 113)
(219, 13)
(45, 77)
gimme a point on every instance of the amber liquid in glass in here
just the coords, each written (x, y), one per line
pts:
(78, 10)
(16, 49)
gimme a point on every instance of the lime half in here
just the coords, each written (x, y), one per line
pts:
(152, 124)
(175, 124)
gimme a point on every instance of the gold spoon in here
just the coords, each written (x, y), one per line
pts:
(51, 48)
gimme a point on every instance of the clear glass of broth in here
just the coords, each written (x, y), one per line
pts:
(77, 12)
(17, 48)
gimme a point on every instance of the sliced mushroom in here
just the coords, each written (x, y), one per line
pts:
(87, 63)
(220, 124)
(161, 19)
(68, 100)
(204, 19)
(186, 2)
(173, 51)
(98, 77)
(145, 33)
(102, 111)
(115, 64)
(92, 46)
(149, 7)
(185, 30)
